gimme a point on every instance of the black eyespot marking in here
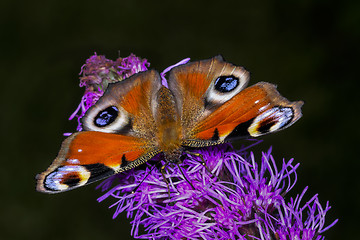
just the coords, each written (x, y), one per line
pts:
(106, 116)
(264, 126)
(71, 179)
(226, 83)
(279, 115)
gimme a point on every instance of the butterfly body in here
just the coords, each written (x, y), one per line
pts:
(206, 103)
(169, 132)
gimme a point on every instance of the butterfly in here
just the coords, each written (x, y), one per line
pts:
(206, 103)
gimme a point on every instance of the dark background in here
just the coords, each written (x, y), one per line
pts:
(308, 48)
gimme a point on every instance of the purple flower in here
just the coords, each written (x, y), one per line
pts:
(98, 72)
(239, 199)
(163, 73)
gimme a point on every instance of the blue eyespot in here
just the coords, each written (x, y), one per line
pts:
(226, 83)
(106, 116)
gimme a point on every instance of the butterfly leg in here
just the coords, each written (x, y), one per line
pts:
(202, 160)
(137, 187)
(178, 165)
(162, 170)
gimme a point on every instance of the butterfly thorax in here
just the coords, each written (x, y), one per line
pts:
(168, 124)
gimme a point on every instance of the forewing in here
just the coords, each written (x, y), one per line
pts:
(89, 156)
(255, 111)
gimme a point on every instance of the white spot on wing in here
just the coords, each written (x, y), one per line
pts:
(73, 161)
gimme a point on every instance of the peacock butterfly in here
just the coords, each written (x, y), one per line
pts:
(206, 103)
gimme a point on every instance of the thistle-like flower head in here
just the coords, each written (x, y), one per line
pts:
(240, 198)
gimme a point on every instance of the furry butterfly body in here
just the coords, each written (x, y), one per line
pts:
(206, 103)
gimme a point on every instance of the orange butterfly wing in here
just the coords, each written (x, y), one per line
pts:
(86, 157)
(255, 111)
(120, 136)
(215, 106)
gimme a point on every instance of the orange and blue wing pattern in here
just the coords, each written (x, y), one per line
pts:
(216, 106)
(119, 136)
(255, 111)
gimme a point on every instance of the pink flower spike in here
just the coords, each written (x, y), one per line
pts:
(164, 81)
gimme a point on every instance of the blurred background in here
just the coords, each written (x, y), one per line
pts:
(310, 49)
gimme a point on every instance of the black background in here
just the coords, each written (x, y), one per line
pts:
(308, 48)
